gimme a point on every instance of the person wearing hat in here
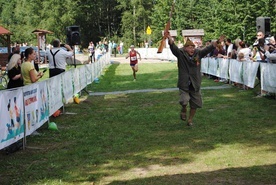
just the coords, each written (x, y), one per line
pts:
(14, 72)
(189, 75)
(133, 60)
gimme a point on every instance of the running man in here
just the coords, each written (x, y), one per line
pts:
(133, 60)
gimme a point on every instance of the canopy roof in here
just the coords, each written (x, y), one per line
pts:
(41, 31)
(4, 31)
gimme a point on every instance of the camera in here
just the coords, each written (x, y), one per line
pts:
(256, 44)
(62, 45)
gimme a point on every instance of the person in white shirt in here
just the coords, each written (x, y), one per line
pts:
(229, 48)
(121, 47)
(57, 58)
(245, 50)
(271, 56)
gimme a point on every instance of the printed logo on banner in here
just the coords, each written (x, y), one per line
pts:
(36, 109)
(55, 94)
(43, 102)
(12, 117)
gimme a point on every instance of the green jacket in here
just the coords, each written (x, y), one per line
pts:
(188, 69)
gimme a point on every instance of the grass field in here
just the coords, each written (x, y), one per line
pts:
(138, 138)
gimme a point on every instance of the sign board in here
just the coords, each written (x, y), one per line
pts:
(195, 35)
(173, 33)
(148, 30)
(192, 32)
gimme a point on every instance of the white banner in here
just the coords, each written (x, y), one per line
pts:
(249, 73)
(43, 103)
(76, 80)
(268, 77)
(149, 53)
(33, 107)
(55, 94)
(213, 67)
(82, 77)
(93, 68)
(88, 73)
(67, 85)
(12, 117)
(223, 68)
(204, 65)
(97, 69)
(235, 71)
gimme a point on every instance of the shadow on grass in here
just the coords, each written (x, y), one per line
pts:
(258, 175)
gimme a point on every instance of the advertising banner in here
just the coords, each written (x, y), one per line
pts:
(82, 77)
(235, 70)
(36, 107)
(76, 80)
(249, 70)
(223, 68)
(55, 94)
(268, 77)
(213, 67)
(204, 65)
(67, 85)
(12, 117)
(88, 73)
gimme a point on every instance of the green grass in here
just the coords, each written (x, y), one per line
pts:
(139, 139)
(150, 76)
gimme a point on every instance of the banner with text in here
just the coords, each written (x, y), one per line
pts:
(55, 94)
(67, 85)
(12, 117)
(36, 106)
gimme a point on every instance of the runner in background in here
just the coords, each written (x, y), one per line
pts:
(133, 60)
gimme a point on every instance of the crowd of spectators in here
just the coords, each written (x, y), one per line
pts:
(262, 50)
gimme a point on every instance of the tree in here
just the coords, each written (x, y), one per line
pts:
(127, 20)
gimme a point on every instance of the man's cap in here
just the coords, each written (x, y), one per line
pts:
(188, 43)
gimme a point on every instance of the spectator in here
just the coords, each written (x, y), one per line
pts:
(110, 47)
(105, 46)
(270, 51)
(189, 75)
(230, 53)
(57, 58)
(28, 72)
(219, 51)
(15, 50)
(91, 50)
(14, 72)
(258, 51)
(244, 51)
(272, 41)
(259, 56)
(229, 48)
(114, 46)
(121, 47)
(236, 49)
(146, 44)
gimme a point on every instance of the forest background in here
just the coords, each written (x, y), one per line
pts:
(127, 20)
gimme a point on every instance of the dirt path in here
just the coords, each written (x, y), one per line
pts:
(225, 86)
